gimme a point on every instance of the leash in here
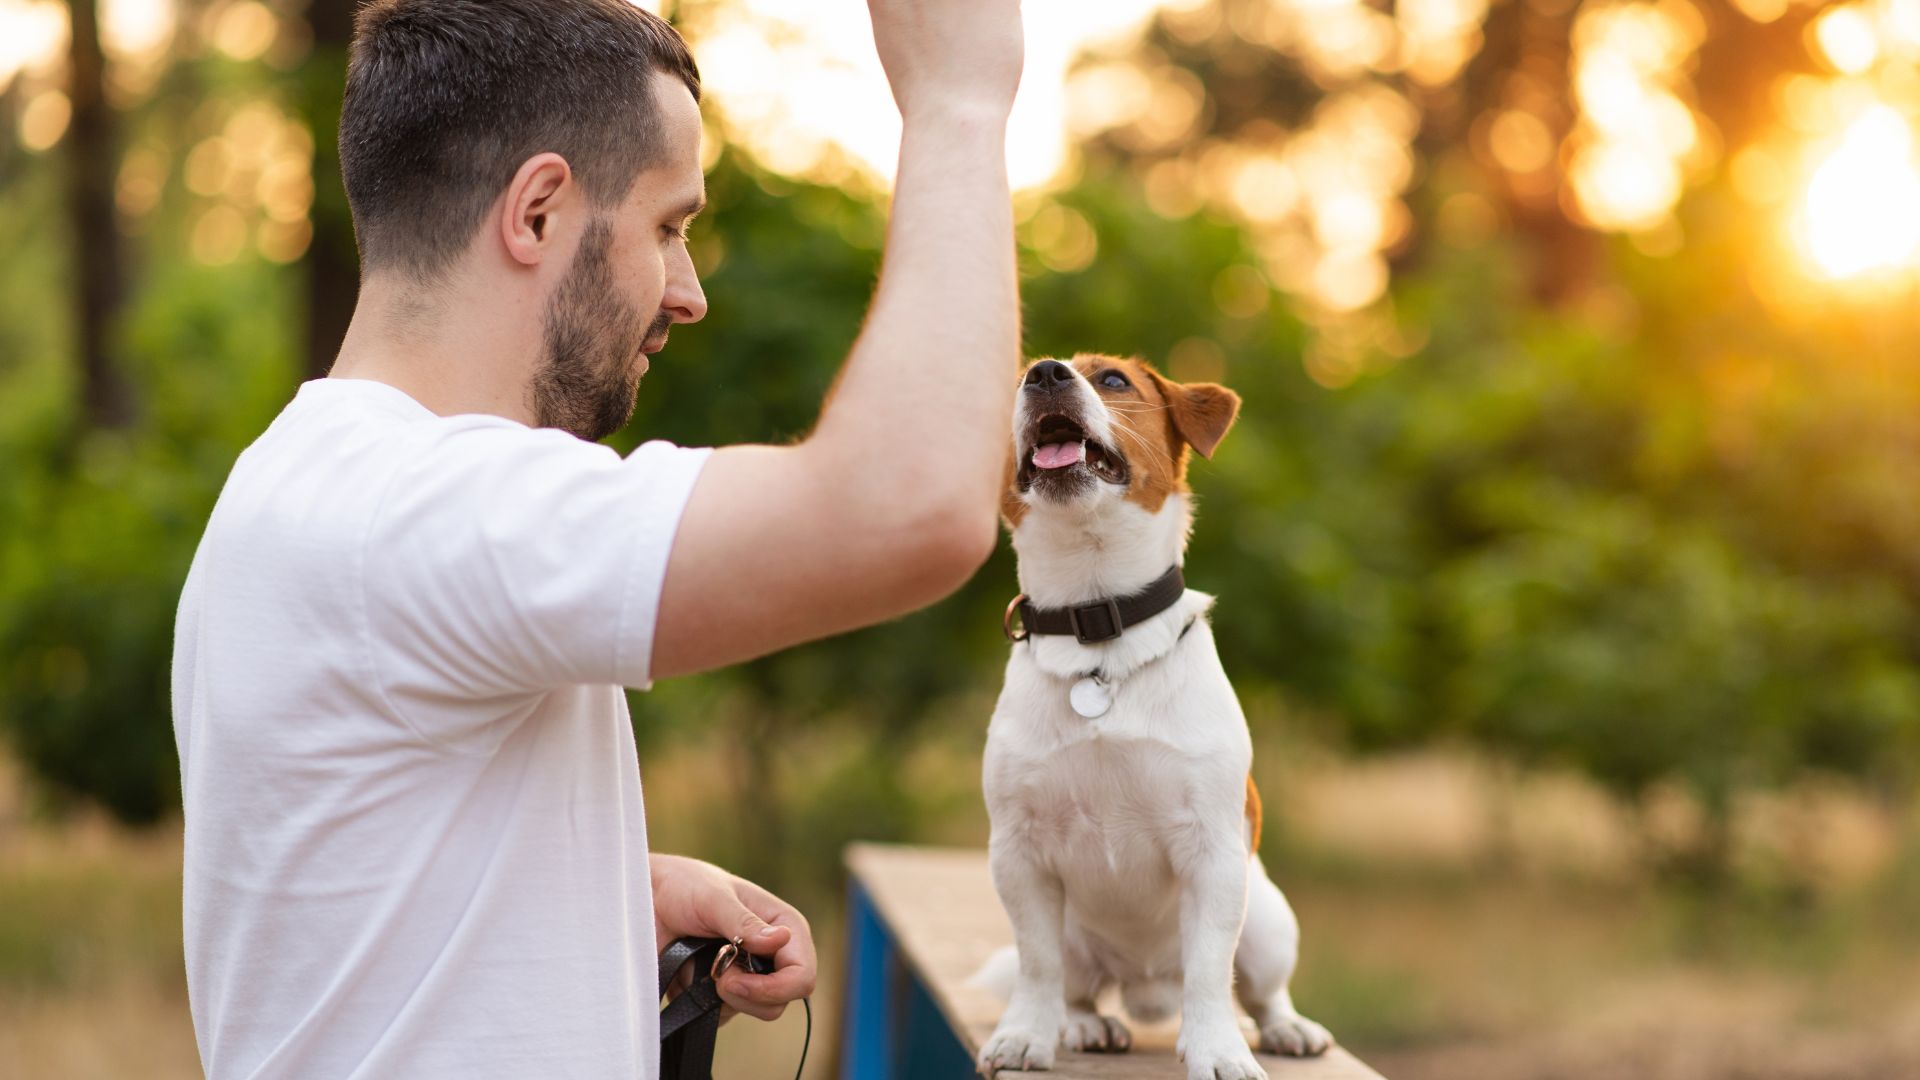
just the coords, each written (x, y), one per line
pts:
(691, 1022)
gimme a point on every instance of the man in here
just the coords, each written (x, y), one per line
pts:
(414, 835)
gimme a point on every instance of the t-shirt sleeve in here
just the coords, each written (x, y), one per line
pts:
(506, 560)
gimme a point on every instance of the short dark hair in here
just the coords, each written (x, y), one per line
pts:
(446, 99)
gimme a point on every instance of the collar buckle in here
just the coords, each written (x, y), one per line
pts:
(1006, 621)
(1087, 622)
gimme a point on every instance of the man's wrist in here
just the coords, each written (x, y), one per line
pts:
(658, 864)
(948, 117)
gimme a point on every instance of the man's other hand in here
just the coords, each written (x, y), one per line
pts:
(942, 53)
(696, 899)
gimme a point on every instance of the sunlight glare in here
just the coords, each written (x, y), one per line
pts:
(31, 34)
(1636, 138)
(1846, 39)
(1438, 37)
(1861, 210)
(136, 29)
(790, 87)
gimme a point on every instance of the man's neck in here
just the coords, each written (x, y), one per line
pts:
(445, 351)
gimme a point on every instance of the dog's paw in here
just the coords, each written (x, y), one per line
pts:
(1097, 1034)
(1017, 1048)
(1295, 1036)
(1222, 1055)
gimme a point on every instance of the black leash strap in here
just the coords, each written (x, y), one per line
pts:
(691, 1021)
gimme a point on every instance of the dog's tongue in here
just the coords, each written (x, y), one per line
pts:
(1059, 455)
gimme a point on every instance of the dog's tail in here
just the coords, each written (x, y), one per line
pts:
(997, 975)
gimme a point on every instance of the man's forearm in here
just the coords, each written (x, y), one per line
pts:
(891, 503)
(926, 399)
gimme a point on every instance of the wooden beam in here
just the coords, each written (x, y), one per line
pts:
(946, 919)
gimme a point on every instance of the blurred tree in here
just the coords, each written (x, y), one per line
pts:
(99, 279)
(1552, 497)
(1505, 131)
(332, 262)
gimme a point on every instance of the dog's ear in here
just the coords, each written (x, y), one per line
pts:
(1012, 508)
(1202, 412)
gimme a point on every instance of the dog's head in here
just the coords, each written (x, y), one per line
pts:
(1098, 430)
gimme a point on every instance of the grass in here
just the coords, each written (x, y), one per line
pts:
(91, 975)
(1439, 960)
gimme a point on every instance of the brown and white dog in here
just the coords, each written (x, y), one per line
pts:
(1125, 824)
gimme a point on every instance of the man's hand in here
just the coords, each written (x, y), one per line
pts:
(696, 899)
(949, 52)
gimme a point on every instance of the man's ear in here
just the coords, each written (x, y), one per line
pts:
(1202, 412)
(541, 187)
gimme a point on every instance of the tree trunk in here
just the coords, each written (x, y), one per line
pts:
(332, 262)
(98, 270)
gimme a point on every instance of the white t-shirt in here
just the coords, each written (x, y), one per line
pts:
(415, 845)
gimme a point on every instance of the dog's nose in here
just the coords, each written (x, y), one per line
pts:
(1048, 375)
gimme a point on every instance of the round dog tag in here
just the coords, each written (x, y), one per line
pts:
(1090, 697)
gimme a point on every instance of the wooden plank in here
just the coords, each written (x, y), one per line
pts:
(942, 909)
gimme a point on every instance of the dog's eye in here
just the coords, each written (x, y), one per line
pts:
(1113, 380)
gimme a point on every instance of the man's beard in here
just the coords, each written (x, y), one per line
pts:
(589, 380)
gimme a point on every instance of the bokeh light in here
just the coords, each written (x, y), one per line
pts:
(1846, 40)
(1636, 138)
(1861, 208)
(32, 35)
(1616, 146)
(793, 85)
(242, 30)
(45, 119)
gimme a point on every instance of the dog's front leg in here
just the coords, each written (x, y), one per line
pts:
(1213, 903)
(1029, 1030)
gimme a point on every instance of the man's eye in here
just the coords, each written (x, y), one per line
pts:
(1113, 380)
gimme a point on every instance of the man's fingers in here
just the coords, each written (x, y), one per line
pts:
(758, 937)
(757, 1009)
(787, 984)
(745, 997)
(752, 1000)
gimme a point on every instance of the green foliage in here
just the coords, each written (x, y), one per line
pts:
(1681, 555)
(100, 527)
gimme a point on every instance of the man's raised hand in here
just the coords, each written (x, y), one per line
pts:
(962, 55)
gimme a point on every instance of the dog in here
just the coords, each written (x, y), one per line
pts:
(1125, 822)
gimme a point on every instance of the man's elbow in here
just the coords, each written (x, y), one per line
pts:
(949, 543)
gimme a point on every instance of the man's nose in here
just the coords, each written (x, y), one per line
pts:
(685, 299)
(1048, 375)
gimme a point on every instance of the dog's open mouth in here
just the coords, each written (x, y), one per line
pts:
(1058, 447)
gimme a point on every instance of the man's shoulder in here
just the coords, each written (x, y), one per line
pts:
(352, 431)
(357, 462)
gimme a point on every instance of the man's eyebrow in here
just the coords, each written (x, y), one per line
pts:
(690, 209)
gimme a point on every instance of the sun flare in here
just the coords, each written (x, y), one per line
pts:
(1860, 213)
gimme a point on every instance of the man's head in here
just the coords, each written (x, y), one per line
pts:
(555, 140)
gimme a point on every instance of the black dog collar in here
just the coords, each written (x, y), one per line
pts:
(1102, 620)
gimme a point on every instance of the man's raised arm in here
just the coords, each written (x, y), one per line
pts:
(891, 503)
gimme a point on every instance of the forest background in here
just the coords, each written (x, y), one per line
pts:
(1567, 547)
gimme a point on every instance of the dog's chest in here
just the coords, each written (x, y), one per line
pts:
(1113, 800)
(1109, 799)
